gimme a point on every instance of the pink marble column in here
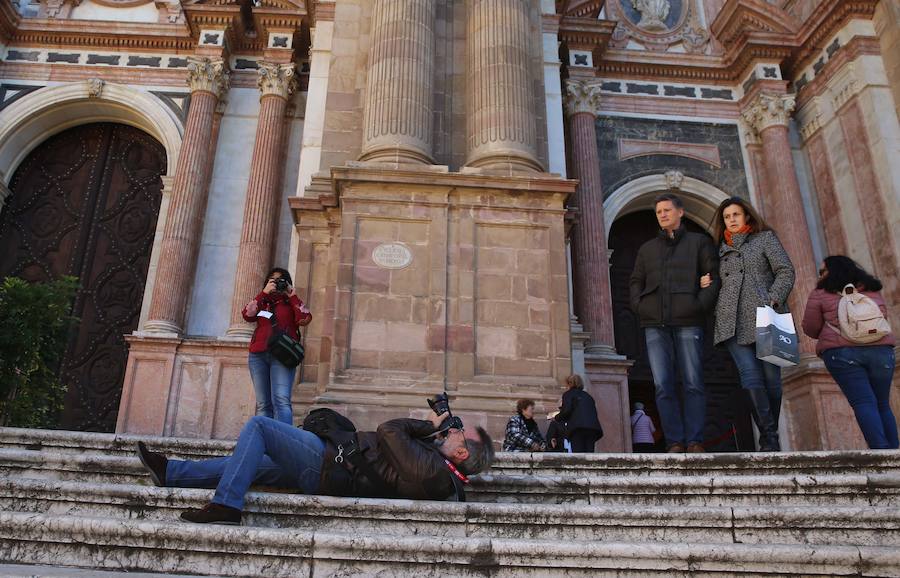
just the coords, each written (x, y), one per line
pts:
(277, 83)
(830, 207)
(768, 115)
(208, 79)
(593, 298)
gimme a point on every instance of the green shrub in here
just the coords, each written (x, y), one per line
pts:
(35, 319)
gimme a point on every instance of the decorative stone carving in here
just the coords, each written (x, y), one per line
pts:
(277, 79)
(694, 37)
(95, 87)
(582, 96)
(674, 179)
(768, 110)
(208, 74)
(653, 13)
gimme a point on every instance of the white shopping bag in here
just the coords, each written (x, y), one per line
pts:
(776, 338)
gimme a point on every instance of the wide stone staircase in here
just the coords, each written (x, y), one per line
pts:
(76, 504)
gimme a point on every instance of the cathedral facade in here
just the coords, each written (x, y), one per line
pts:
(458, 188)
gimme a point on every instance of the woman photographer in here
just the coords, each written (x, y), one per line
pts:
(755, 271)
(273, 381)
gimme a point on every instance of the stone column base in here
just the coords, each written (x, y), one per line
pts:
(818, 416)
(607, 379)
(198, 388)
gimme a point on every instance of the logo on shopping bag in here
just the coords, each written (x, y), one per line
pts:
(785, 339)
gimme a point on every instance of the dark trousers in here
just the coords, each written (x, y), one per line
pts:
(583, 441)
(643, 448)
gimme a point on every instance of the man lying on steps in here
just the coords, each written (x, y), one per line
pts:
(405, 458)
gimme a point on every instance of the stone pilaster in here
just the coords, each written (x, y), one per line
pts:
(399, 86)
(768, 115)
(209, 80)
(500, 107)
(887, 27)
(276, 83)
(593, 298)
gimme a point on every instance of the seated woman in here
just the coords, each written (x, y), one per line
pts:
(522, 432)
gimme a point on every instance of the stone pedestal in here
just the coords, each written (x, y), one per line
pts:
(817, 413)
(607, 382)
(424, 280)
(196, 388)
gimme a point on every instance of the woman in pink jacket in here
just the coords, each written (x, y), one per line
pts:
(863, 371)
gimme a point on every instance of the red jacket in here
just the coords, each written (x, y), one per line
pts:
(822, 309)
(287, 314)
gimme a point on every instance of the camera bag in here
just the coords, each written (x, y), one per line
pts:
(284, 348)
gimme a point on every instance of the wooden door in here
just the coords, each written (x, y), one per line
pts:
(726, 404)
(86, 203)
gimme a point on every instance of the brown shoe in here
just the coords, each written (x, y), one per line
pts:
(695, 448)
(676, 449)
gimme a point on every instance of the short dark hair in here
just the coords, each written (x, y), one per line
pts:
(756, 222)
(481, 454)
(843, 270)
(284, 275)
(523, 404)
(673, 198)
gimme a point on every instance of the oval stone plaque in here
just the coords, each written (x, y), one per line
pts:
(392, 256)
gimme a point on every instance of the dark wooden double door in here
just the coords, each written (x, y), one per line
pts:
(86, 203)
(727, 406)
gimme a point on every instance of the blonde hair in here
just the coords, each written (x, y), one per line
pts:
(575, 381)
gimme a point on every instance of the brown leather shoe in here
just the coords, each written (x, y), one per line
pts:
(676, 449)
(695, 448)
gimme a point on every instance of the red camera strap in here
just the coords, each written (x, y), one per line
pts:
(456, 472)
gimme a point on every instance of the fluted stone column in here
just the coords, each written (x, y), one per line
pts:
(500, 109)
(768, 115)
(887, 28)
(593, 297)
(277, 83)
(208, 79)
(399, 86)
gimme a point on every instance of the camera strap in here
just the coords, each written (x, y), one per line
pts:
(459, 475)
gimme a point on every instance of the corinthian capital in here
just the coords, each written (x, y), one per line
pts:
(208, 74)
(277, 79)
(582, 96)
(768, 110)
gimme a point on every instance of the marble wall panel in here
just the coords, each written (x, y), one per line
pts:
(234, 401)
(730, 178)
(142, 413)
(195, 383)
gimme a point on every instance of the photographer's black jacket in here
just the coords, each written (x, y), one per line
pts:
(665, 283)
(410, 466)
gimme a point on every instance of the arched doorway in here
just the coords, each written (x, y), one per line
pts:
(727, 406)
(85, 203)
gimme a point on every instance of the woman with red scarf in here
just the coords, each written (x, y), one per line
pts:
(755, 271)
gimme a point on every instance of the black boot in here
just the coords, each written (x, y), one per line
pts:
(154, 462)
(765, 420)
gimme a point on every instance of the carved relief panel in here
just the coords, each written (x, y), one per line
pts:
(658, 25)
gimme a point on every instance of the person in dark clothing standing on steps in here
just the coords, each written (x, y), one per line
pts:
(666, 295)
(579, 413)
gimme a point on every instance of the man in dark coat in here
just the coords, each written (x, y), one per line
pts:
(666, 295)
(579, 412)
(409, 458)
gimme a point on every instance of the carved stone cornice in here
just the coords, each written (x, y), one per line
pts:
(209, 75)
(9, 20)
(582, 96)
(277, 79)
(767, 110)
(585, 34)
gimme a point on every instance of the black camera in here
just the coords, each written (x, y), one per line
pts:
(281, 285)
(440, 405)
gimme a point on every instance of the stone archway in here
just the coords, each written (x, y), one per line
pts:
(631, 223)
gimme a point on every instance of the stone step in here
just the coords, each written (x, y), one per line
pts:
(860, 525)
(35, 571)
(698, 490)
(578, 465)
(154, 546)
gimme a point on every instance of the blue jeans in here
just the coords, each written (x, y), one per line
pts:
(268, 452)
(272, 383)
(667, 346)
(864, 374)
(757, 374)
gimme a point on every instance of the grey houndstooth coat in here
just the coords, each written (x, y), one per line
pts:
(755, 260)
